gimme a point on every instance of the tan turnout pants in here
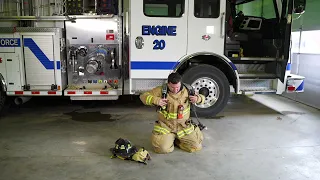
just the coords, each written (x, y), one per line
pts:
(190, 139)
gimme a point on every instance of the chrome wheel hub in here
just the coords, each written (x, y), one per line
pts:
(209, 88)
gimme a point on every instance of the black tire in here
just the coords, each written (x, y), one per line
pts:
(208, 71)
(3, 98)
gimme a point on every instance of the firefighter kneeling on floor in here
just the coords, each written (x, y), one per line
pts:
(174, 124)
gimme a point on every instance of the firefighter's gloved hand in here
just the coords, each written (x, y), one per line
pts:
(141, 156)
(162, 102)
(193, 99)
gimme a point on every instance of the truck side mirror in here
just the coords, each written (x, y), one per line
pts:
(299, 6)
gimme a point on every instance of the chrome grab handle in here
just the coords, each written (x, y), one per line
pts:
(222, 33)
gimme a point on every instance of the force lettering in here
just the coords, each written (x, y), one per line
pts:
(9, 42)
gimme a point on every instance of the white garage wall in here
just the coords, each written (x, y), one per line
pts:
(307, 64)
(310, 42)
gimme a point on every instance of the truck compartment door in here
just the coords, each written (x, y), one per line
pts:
(39, 60)
(12, 62)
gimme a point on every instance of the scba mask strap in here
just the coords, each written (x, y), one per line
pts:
(165, 90)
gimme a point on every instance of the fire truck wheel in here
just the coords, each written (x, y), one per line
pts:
(213, 84)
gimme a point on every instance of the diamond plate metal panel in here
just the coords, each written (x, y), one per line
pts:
(250, 68)
(27, 29)
(145, 84)
(256, 85)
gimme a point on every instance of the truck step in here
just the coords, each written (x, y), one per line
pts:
(92, 92)
(35, 93)
(257, 85)
(258, 59)
(258, 76)
(253, 91)
(101, 98)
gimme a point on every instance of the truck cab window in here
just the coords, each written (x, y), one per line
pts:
(258, 8)
(206, 8)
(163, 8)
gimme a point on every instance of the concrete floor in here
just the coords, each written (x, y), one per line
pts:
(249, 140)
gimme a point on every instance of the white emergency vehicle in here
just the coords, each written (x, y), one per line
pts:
(102, 49)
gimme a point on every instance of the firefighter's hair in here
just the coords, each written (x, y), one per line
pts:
(174, 78)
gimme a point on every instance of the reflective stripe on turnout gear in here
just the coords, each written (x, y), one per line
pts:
(161, 130)
(149, 99)
(180, 134)
(174, 115)
(122, 146)
(185, 132)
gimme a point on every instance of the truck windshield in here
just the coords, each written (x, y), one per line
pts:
(258, 8)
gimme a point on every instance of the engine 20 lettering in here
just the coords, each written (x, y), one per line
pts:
(159, 30)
